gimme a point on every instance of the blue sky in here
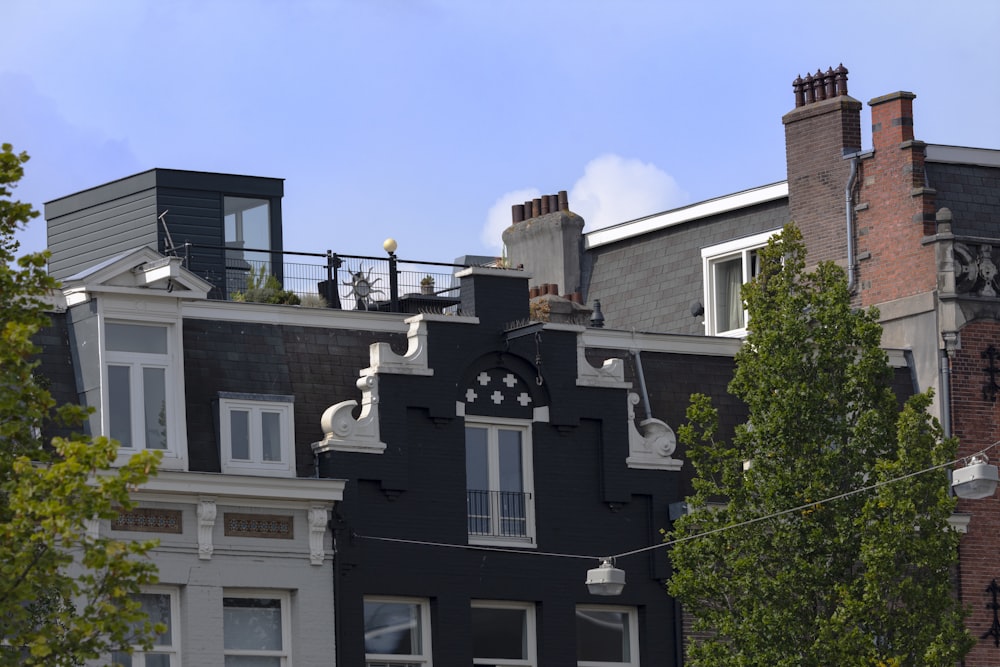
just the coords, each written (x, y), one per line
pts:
(426, 119)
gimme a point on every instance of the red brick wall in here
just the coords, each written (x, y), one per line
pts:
(816, 137)
(976, 422)
(896, 210)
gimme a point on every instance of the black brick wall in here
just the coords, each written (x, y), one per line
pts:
(973, 195)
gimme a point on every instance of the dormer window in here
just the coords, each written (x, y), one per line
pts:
(140, 409)
(727, 267)
(257, 432)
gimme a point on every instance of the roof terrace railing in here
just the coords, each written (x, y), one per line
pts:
(331, 280)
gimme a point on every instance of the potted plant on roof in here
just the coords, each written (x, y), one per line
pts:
(427, 284)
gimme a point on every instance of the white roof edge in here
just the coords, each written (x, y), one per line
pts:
(985, 157)
(327, 318)
(661, 342)
(242, 488)
(731, 202)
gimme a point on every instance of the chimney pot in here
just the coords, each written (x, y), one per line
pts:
(545, 205)
(536, 207)
(563, 201)
(841, 77)
(798, 87)
(517, 213)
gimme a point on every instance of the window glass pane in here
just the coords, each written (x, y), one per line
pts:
(239, 434)
(392, 628)
(477, 480)
(476, 467)
(499, 633)
(154, 394)
(120, 404)
(252, 624)
(157, 660)
(247, 222)
(157, 606)
(136, 338)
(602, 635)
(270, 428)
(728, 306)
(121, 658)
(510, 460)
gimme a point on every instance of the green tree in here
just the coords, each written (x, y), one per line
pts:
(65, 597)
(860, 580)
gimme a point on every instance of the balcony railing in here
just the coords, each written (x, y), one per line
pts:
(499, 513)
(349, 282)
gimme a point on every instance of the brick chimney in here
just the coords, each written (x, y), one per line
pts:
(824, 127)
(547, 238)
(895, 208)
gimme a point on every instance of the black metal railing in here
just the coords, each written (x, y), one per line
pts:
(349, 282)
(499, 513)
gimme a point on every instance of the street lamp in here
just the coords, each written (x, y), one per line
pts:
(606, 579)
(977, 480)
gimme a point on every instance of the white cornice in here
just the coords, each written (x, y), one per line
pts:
(678, 216)
(984, 157)
(670, 343)
(171, 486)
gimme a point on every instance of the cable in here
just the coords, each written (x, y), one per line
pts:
(748, 522)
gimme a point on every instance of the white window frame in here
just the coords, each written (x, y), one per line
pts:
(633, 635)
(175, 454)
(717, 254)
(173, 649)
(284, 598)
(256, 404)
(425, 657)
(530, 638)
(493, 425)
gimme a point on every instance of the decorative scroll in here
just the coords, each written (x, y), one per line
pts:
(148, 520)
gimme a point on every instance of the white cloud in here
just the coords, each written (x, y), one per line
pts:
(499, 216)
(614, 189)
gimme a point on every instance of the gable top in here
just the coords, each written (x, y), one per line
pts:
(140, 272)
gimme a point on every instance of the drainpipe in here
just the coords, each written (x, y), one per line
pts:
(852, 265)
(642, 383)
(945, 365)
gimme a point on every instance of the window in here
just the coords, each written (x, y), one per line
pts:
(499, 481)
(255, 629)
(257, 433)
(503, 634)
(140, 386)
(161, 606)
(727, 266)
(397, 632)
(606, 636)
(247, 223)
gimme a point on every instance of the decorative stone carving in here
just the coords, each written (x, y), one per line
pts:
(206, 523)
(652, 444)
(92, 528)
(317, 531)
(413, 362)
(976, 269)
(345, 433)
(610, 375)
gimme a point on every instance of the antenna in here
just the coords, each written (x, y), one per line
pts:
(163, 219)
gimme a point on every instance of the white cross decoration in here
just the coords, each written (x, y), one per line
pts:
(484, 378)
(497, 397)
(524, 399)
(510, 380)
(470, 395)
